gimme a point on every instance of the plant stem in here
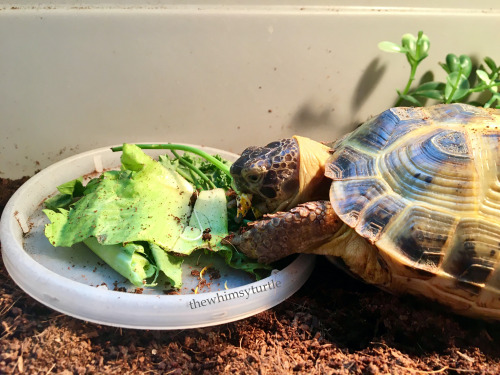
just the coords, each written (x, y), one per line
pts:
(455, 87)
(170, 146)
(484, 87)
(491, 101)
(413, 71)
(194, 169)
(188, 177)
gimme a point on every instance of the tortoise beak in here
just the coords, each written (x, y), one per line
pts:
(243, 204)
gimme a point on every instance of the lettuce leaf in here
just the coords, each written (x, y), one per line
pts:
(146, 202)
(127, 260)
(208, 224)
(169, 264)
(68, 192)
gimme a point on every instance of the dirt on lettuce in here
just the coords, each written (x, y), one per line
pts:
(333, 325)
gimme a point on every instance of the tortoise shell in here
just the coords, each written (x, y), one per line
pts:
(422, 184)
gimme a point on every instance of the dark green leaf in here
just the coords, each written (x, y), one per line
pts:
(58, 201)
(452, 63)
(466, 65)
(430, 94)
(462, 64)
(240, 261)
(430, 86)
(491, 64)
(410, 99)
(74, 188)
(445, 67)
(67, 194)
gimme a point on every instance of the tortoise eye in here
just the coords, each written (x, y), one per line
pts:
(253, 177)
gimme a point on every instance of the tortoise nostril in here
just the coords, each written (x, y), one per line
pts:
(268, 192)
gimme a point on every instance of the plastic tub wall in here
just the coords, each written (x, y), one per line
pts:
(80, 75)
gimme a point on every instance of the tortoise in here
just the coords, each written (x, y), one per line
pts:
(414, 203)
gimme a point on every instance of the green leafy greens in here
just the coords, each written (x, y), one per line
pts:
(462, 80)
(140, 220)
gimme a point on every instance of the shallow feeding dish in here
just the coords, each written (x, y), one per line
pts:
(75, 281)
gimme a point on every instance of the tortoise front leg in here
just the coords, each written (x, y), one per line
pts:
(301, 230)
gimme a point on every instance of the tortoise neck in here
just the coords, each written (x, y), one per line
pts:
(312, 182)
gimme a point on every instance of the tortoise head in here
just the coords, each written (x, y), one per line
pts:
(283, 173)
(269, 173)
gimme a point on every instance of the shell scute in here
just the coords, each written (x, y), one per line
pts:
(382, 131)
(420, 171)
(421, 234)
(474, 251)
(453, 143)
(351, 163)
(378, 215)
(457, 113)
(352, 196)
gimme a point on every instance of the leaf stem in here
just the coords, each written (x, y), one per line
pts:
(454, 87)
(194, 169)
(491, 101)
(170, 146)
(413, 71)
(188, 177)
(484, 87)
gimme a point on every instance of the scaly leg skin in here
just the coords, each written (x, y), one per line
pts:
(314, 228)
(301, 230)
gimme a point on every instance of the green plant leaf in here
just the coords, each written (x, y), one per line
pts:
(493, 99)
(74, 188)
(459, 69)
(483, 76)
(58, 201)
(462, 64)
(466, 65)
(430, 86)
(430, 94)
(410, 99)
(430, 90)
(391, 47)
(423, 45)
(209, 211)
(409, 42)
(445, 67)
(452, 63)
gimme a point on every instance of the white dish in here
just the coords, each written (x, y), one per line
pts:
(77, 283)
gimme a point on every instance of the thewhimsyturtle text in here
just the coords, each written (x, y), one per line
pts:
(227, 295)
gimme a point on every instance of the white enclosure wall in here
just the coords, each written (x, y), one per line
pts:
(76, 75)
